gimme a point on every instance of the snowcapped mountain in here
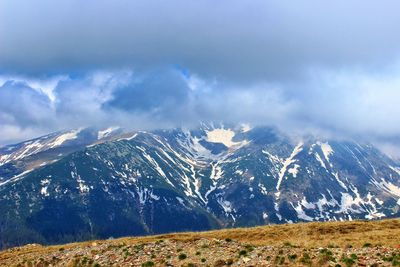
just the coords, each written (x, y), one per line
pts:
(111, 183)
(19, 159)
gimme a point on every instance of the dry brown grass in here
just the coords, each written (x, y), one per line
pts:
(356, 233)
(307, 235)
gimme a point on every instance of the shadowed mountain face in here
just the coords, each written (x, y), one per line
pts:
(100, 184)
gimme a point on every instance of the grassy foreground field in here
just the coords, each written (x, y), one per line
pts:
(358, 243)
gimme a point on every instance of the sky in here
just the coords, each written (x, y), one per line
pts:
(313, 67)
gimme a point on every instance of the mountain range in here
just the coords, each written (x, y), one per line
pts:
(88, 183)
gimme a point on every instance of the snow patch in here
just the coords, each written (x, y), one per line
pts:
(239, 172)
(263, 189)
(106, 132)
(16, 177)
(226, 205)
(387, 186)
(43, 191)
(336, 175)
(180, 200)
(294, 171)
(129, 137)
(286, 164)
(320, 160)
(371, 209)
(380, 202)
(82, 187)
(347, 202)
(216, 172)
(301, 213)
(65, 137)
(306, 204)
(246, 128)
(395, 169)
(326, 149)
(274, 158)
(223, 136)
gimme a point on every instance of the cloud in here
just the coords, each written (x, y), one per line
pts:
(135, 100)
(351, 102)
(24, 112)
(22, 105)
(329, 69)
(161, 94)
(230, 40)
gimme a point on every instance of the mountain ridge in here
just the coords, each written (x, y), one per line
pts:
(214, 176)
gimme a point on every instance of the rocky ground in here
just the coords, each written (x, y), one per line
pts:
(200, 252)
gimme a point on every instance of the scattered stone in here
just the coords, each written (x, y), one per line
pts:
(201, 252)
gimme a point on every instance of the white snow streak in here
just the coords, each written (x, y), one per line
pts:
(286, 163)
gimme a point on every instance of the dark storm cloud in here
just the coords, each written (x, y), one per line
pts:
(161, 93)
(233, 40)
(24, 112)
(20, 104)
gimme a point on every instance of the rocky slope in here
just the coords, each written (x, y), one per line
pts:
(178, 180)
(325, 244)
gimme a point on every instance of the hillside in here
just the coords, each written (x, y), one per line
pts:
(88, 184)
(358, 243)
